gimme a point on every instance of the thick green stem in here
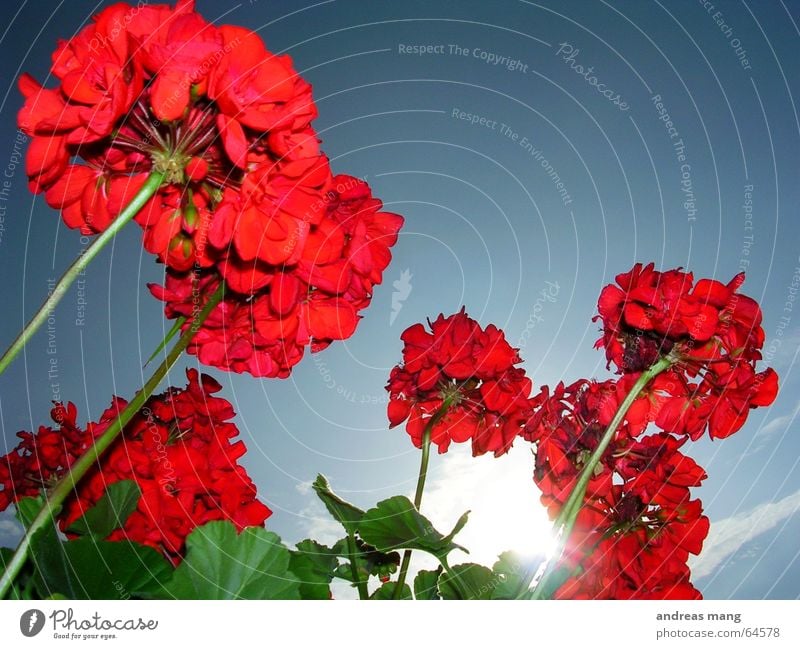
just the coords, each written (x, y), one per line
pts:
(460, 587)
(423, 474)
(78, 266)
(423, 466)
(565, 522)
(352, 552)
(62, 489)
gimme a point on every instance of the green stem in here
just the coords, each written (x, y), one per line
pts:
(78, 266)
(352, 552)
(85, 462)
(565, 522)
(423, 474)
(461, 588)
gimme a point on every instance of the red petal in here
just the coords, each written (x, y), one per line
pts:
(69, 187)
(233, 139)
(283, 293)
(169, 96)
(330, 319)
(398, 411)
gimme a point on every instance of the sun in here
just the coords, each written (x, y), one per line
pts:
(505, 512)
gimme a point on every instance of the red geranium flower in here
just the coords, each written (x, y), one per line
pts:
(179, 449)
(633, 539)
(256, 92)
(651, 313)
(155, 88)
(460, 380)
(311, 291)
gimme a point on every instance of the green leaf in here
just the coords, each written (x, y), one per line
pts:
(28, 508)
(221, 564)
(426, 584)
(371, 561)
(348, 515)
(107, 570)
(313, 564)
(110, 512)
(87, 568)
(47, 555)
(395, 524)
(386, 591)
(344, 572)
(460, 523)
(467, 581)
(514, 575)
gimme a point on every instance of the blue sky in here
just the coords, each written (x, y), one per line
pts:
(517, 176)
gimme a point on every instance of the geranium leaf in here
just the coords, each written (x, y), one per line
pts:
(348, 515)
(109, 570)
(47, 555)
(395, 524)
(314, 565)
(514, 575)
(386, 591)
(467, 581)
(110, 512)
(426, 584)
(221, 564)
(460, 523)
(344, 572)
(28, 508)
(89, 569)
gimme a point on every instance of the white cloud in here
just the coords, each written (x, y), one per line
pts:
(319, 525)
(782, 351)
(730, 534)
(304, 487)
(779, 424)
(10, 528)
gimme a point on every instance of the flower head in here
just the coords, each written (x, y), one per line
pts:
(152, 88)
(649, 313)
(301, 283)
(180, 449)
(461, 381)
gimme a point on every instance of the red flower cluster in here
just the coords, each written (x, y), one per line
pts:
(712, 332)
(312, 299)
(247, 194)
(151, 88)
(638, 522)
(178, 449)
(460, 380)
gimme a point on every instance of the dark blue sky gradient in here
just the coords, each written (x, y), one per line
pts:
(487, 225)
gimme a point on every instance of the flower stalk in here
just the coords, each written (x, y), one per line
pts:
(565, 521)
(352, 552)
(78, 266)
(423, 474)
(64, 487)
